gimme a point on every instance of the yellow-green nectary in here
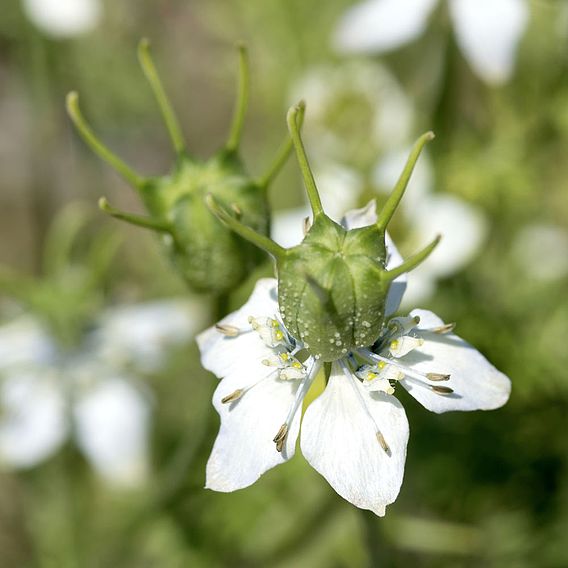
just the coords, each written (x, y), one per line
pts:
(332, 288)
(209, 256)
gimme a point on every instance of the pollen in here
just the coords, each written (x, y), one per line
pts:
(394, 344)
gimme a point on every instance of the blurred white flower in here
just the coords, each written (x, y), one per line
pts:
(463, 227)
(487, 31)
(92, 393)
(362, 97)
(63, 18)
(542, 251)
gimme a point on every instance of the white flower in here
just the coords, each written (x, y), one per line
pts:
(487, 31)
(93, 393)
(63, 18)
(355, 434)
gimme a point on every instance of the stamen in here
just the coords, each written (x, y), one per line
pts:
(280, 437)
(373, 357)
(441, 390)
(228, 330)
(307, 225)
(233, 396)
(443, 329)
(383, 443)
(305, 385)
(352, 380)
(437, 377)
(237, 210)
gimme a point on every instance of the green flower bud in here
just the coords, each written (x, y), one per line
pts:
(210, 257)
(332, 287)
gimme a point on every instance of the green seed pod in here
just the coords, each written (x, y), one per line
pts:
(332, 287)
(208, 256)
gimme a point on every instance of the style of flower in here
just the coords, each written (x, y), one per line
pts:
(63, 18)
(354, 434)
(487, 31)
(92, 393)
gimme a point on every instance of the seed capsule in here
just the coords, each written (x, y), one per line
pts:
(207, 255)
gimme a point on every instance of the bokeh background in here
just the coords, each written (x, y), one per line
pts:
(481, 489)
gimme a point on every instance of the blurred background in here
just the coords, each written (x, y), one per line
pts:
(105, 414)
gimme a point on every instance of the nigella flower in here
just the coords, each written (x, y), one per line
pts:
(330, 309)
(355, 434)
(487, 31)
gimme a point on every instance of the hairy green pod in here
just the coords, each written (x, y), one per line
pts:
(209, 256)
(332, 288)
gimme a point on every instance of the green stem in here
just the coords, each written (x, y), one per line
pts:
(242, 101)
(138, 220)
(413, 261)
(172, 123)
(294, 119)
(261, 241)
(396, 195)
(96, 145)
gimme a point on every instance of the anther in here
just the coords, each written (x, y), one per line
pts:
(443, 329)
(233, 396)
(437, 377)
(228, 330)
(237, 210)
(280, 437)
(383, 443)
(307, 225)
(441, 390)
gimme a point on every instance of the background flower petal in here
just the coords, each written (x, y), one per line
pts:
(488, 33)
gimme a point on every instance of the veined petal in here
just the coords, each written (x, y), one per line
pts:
(112, 419)
(242, 354)
(381, 25)
(244, 448)
(364, 217)
(488, 33)
(339, 439)
(32, 418)
(476, 383)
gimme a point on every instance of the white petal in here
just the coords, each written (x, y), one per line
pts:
(244, 448)
(382, 25)
(32, 418)
(488, 33)
(63, 18)
(339, 189)
(139, 335)
(398, 285)
(241, 356)
(364, 217)
(339, 440)
(476, 383)
(112, 421)
(288, 226)
(23, 342)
